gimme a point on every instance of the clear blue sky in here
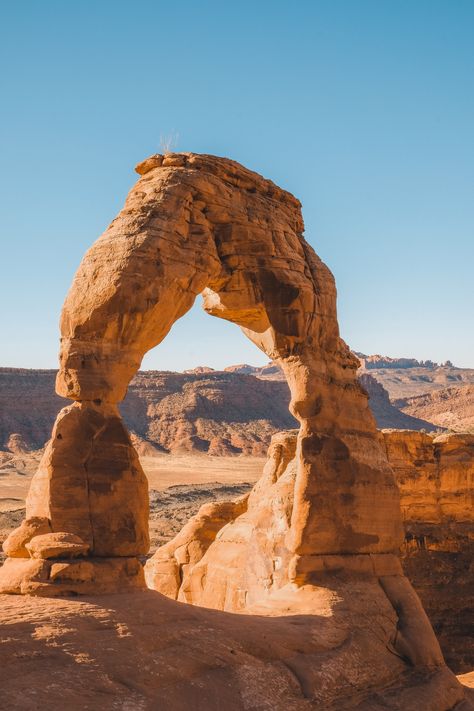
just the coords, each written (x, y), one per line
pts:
(362, 108)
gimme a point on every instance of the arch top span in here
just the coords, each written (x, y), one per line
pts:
(194, 224)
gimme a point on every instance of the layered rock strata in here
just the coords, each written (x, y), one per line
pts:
(233, 557)
(199, 224)
(436, 480)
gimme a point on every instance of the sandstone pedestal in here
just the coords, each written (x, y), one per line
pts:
(57, 577)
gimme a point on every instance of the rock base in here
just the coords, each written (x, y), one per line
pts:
(65, 577)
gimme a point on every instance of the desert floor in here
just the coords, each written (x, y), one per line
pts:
(179, 485)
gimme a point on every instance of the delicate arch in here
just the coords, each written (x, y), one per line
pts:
(199, 224)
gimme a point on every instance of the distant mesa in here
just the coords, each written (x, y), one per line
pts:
(200, 370)
(379, 361)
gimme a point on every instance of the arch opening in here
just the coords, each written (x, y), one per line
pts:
(198, 224)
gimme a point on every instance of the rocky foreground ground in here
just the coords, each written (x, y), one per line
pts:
(437, 556)
(125, 653)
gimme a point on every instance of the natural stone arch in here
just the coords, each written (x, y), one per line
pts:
(198, 224)
(326, 508)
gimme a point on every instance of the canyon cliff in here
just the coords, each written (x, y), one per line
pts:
(234, 411)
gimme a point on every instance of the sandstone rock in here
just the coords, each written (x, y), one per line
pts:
(205, 224)
(228, 413)
(149, 164)
(386, 414)
(318, 523)
(435, 475)
(80, 572)
(15, 545)
(436, 479)
(56, 545)
(16, 573)
(166, 570)
(407, 377)
(54, 578)
(28, 405)
(207, 412)
(246, 559)
(144, 651)
(90, 482)
(451, 407)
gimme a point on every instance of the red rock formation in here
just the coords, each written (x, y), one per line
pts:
(451, 407)
(436, 480)
(198, 224)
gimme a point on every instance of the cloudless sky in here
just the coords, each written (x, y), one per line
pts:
(364, 109)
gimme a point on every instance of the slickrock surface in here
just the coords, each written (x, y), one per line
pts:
(451, 407)
(199, 224)
(143, 652)
(436, 480)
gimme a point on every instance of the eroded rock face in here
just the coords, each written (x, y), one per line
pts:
(243, 567)
(436, 480)
(244, 557)
(314, 533)
(198, 224)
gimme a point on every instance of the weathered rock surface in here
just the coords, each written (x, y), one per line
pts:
(436, 480)
(217, 413)
(144, 651)
(203, 411)
(451, 407)
(56, 545)
(28, 406)
(407, 377)
(198, 224)
(90, 482)
(15, 545)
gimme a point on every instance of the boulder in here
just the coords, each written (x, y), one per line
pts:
(56, 545)
(15, 544)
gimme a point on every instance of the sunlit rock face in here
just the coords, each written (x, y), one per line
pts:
(319, 534)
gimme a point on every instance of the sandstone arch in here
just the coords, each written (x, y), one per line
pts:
(199, 224)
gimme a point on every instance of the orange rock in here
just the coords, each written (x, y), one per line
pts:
(201, 224)
(435, 474)
(321, 528)
(149, 164)
(56, 545)
(15, 545)
(16, 572)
